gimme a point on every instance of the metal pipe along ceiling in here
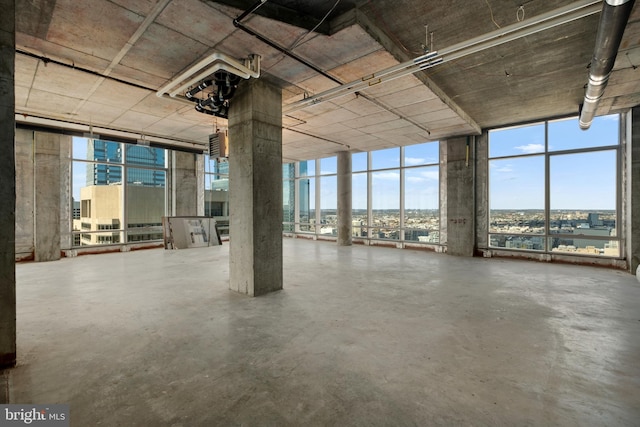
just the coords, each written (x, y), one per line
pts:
(613, 20)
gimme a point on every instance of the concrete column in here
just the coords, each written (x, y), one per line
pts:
(7, 186)
(255, 188)
(184, 184)
(482, 190)
(47, 196)
(633, 192)
(25, 197)
(345, 223)
(200, 184)
(460, 196)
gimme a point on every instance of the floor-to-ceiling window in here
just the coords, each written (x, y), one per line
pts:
(105, 211)
(216, 192)
(395, 194)
(555, 188)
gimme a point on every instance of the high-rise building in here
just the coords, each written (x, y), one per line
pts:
(109, 171)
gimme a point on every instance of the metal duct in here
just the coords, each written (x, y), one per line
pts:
(613, 20)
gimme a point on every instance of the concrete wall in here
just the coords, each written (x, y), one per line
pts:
(25, 197)
(184, 184)
(7, 187)
(460, 196)
(42, 181)
(47, 196)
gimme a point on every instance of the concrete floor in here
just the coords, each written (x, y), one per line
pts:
(360, 336)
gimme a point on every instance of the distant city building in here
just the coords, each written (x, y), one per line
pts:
(109, 170)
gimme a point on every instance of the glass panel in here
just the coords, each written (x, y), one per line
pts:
(328, 209)
(359, 162)
(141, 155)
(328, 165)
(288, 171)
(307, 168)
(534, 243)
(145, 204)
(307, 192)
(288, 199)
(97, 149)
(516, 141)
(585, 246)
(97, 203)
(583, 193)
(221, 166)
(383, 159)
(385, 200)
(422, 154)
(516, 195)
(359, 204)
(216, 201)
(567, 135)
(422, 204)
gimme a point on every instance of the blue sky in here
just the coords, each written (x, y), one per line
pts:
(584, 181)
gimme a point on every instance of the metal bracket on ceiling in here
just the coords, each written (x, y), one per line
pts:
(245, 68)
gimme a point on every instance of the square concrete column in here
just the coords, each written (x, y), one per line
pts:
(184, 184)
(345, 223)
(460, 193)
(7, 186)
(47, 196)
(255, 188)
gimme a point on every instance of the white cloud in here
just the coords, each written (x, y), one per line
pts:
(430, 175)
(530, 148)
(386, 175)
(415, 179)
(502, 169)
(411, 161)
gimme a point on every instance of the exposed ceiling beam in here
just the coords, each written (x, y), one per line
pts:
(356, 16)
(279, 13)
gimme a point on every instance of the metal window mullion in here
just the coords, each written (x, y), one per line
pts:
(547, 189)
(125, 221)
(296, 195)
(369, 197)
(401, 195)
(317, 196)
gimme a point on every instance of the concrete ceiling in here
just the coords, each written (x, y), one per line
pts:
(100, 63)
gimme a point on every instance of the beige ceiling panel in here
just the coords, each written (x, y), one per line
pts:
(188, 114)
(430, 106)
(116, 94)
(21, 96)
(361, 105)
(163, 52)
(25, 70)
(392, 87)
(55, 104)
(201, 19)
(92, 112)
(371, 119)
(141, 7)
(65, 81)
(410, 96)
(138, 77)
(364, 66)
(168, 127)
(60, 53)
(162, 107)
(340, 48)
(134, 121)
(384, 127)
(94, 27)
(336, 116)
(425, 118)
